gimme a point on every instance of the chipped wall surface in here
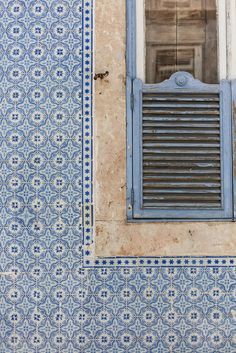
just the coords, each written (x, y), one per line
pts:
(114, 236)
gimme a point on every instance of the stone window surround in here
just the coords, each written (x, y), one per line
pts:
(113, 235)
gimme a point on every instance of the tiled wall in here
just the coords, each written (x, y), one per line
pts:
(53, 298)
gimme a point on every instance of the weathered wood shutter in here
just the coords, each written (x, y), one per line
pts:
(182, 149)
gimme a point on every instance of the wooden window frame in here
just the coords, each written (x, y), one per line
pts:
(136, 69)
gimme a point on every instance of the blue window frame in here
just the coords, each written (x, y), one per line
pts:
(179, 145)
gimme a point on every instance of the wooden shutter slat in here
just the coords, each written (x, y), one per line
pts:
(182, 205)
(174, 191)
(180, 145)
(162, 176)
(179, 157)
(203, 100)
(186, 125)
(171, 130)
(182, 198)
(171, 119)
(179, 106)
(176, 164)
(182, 98)
(178, 111)
(176, 151)
(183, 184)
(183, 139)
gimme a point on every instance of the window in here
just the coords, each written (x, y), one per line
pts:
(179, 111)
(181, 36)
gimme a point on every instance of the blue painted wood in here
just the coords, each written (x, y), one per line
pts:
(137, 144)
(131, 73)
(129, 148)
(131, 39)
(184, 82)
(226, 146)
(181, 81)
(233, 85)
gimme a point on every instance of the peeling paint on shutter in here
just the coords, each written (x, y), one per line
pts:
(182, 152)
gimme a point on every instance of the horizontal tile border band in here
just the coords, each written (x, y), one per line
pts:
(162, 262)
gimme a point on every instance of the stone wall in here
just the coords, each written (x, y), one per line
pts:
(114, 236)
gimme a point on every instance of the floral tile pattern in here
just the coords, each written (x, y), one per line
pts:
(53, 298)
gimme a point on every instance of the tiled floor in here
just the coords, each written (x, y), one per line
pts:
(52, 299)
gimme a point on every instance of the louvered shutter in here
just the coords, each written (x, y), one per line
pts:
(182, 149)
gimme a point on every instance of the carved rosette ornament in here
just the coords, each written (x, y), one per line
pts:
(181, 80)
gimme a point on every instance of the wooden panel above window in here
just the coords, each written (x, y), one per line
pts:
(181, 35)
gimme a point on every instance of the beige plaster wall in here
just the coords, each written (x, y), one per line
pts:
(114, 236)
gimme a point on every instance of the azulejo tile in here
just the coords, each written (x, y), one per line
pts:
(53, 296)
